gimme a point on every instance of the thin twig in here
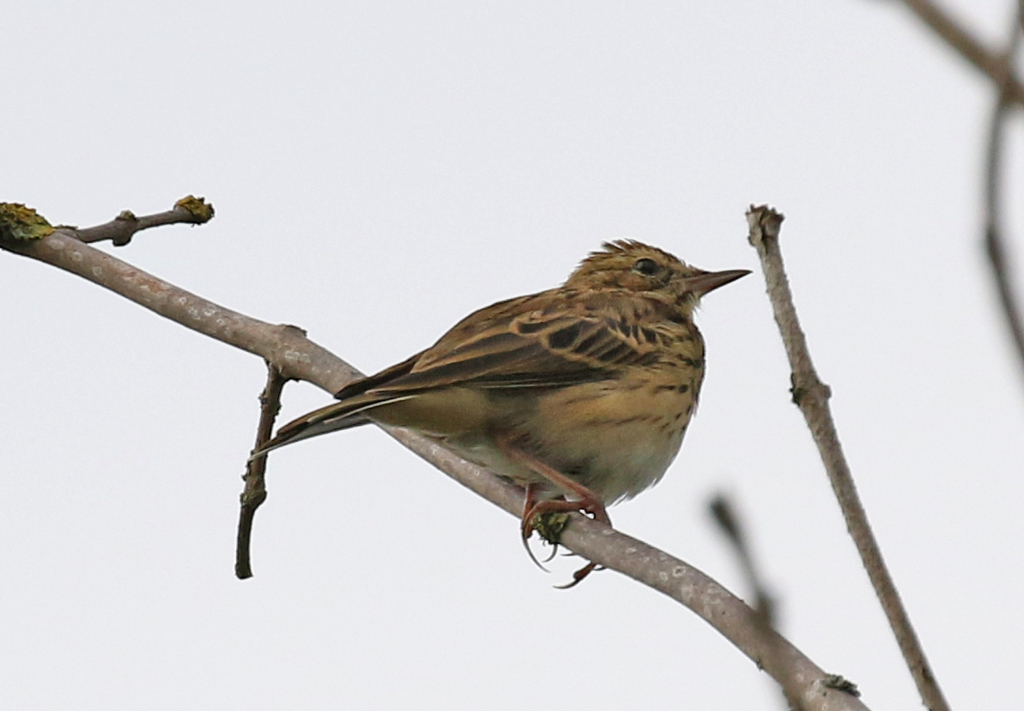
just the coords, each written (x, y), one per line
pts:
(995, 246)
(296, 357)
(188, 210)
(811, 396)
(724, 513)
(255, 492)
(990, 63)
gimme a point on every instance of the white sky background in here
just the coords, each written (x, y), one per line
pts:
(381, 169)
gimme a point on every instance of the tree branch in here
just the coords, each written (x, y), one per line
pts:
(255, 492)
(990, 63)
(724, 513)
(286, 349)
(189, 210)
(811, 396)
(995, 247)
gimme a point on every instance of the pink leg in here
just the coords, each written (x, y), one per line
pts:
(586, 500)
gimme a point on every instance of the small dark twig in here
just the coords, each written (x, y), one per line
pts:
(255, 492)
(994, 242)
(188, 210)
(811, 396)
(724, 513)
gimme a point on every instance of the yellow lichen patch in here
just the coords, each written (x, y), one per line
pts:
(22, 224)
(201, 209)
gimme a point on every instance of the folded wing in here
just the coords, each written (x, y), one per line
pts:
(505, 347)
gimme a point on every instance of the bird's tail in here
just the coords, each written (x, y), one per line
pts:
(332, 418)
(354, 401)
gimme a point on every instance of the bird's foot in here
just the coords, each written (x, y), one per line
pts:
(550, 517)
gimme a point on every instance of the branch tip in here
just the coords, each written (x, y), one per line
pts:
(201, 210)
(765, 224)
(20, 223)
(721, 511)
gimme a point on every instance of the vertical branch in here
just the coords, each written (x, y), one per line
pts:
(993, 231)
(811, 396)
(255, 492)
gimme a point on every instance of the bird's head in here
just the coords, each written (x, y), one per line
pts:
(631, 266)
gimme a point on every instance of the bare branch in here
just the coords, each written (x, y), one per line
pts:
(993, 232)
(966, 45)
(288, 350)
(811, 396)
(189, 210)
(255, 492)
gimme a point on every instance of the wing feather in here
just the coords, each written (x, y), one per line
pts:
(539, 341)
(524, 351)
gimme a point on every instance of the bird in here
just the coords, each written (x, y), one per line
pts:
(580, 394)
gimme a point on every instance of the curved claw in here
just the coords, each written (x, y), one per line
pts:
(529, 551)
(585, 501)
(578, 576)
(526, 527)
(554, 506)
(526, 530)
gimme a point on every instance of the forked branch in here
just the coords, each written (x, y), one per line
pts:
(967, 46)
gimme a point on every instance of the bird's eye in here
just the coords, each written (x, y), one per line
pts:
(647, 267)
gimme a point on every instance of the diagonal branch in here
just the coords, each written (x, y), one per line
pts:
(286, 349)
(724, 513)
(989, 62)
(811, 396)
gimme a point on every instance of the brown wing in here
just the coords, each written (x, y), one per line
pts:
(539, 341)
(511, 345)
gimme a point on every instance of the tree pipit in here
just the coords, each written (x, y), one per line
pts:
(581, 394)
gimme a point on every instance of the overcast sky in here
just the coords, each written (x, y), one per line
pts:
(379, 170)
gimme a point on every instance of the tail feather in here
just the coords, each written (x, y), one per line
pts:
(332, 418)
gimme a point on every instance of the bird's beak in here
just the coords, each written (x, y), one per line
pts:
(709, 281)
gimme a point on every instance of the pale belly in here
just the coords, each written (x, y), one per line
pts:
(616, 442)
